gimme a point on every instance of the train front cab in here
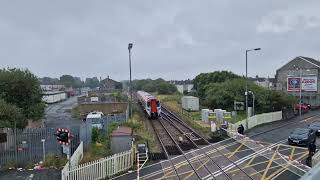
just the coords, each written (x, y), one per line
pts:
(154, 113)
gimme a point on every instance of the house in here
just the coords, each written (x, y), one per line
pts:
(183, 86)
(110, 85)
(268, 83)
(300, 73)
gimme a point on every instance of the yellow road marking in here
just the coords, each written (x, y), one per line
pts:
(258, 163)
(269, 164)
(272, 166)
(292, 153)
(192, 173)
(235, 151)
(285, 167)
(183, 163)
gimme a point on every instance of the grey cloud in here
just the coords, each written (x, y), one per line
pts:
(172, 39)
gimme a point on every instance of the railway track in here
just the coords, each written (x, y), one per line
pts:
(193, 137)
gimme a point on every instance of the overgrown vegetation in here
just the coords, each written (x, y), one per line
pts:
(53, 161)
(119, 96)
(221, 89)
(159, 85)
(75, 112)
(21, 97)
(141, 132)
(100, 146)
(173, 102)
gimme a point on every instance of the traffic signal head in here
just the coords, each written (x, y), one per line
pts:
(63, 136)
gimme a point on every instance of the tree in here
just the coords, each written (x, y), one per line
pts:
(158, 85)
(92, 82)
(203, 79)
(221, 89)
(67, 81)
(22, 89)
(9, 115)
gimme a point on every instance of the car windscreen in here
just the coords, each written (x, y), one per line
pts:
(95, 120)
(300, 132)
(315, 125)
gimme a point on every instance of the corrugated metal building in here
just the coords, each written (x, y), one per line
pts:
(121, 139)
(288, 79)
(190, 103)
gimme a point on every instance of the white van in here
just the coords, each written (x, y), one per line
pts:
(96, 119)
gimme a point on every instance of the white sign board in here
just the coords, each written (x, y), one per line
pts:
(94, 99)
(66, 149)
(309, 83)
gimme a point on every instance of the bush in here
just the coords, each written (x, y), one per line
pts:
(54, 161)
(10, 114)
(95, 135)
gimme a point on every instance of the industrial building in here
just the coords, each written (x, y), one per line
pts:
(300, 73)
(50, 97)
(190, 103)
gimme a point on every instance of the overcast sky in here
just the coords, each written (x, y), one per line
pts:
(172, 39)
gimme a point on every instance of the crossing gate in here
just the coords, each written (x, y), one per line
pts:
(100, 169)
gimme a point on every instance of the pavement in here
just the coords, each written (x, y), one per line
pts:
(55, 117)
(276, 131)
(58, 117)
(31, 175)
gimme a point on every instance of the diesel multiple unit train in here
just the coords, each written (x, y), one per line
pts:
(150, 104)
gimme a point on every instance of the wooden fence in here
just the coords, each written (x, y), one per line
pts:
(100, 169)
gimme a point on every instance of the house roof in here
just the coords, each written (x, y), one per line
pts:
(122, 131)
(302, 58)
(312, 61)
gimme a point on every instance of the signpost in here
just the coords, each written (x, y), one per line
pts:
(43, 149)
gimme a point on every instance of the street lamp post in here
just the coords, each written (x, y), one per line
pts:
(130, 45)
(252, 102)
(246, 93)
(300, 90)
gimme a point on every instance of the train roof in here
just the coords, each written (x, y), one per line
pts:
(146, 96)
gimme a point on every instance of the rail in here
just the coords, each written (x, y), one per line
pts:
(217, 150)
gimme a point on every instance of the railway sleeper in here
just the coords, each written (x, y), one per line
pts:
(157, 156)
(200, 142)
(172, 150)
(186, 146)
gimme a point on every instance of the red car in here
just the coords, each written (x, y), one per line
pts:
(304, 107)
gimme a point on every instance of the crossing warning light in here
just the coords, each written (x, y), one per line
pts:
(63, 136)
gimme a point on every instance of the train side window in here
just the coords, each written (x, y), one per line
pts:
(158, 104)
(148, 104)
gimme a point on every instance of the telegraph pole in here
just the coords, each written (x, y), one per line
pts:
(130, 45)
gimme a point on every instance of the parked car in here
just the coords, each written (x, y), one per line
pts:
(315, 126)
(96, 119)
(304, 108)
(302, 136)
(308, 105)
